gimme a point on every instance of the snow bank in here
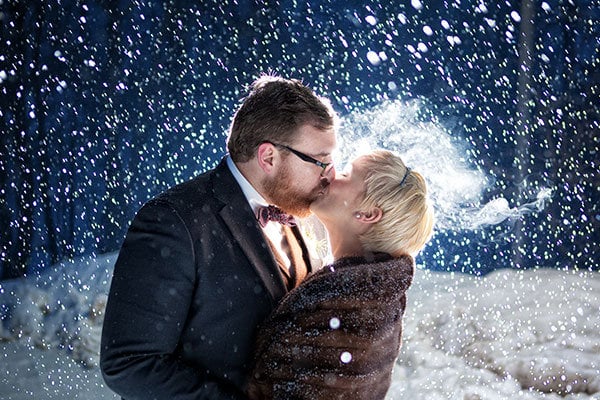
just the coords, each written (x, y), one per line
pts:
(61, 308)
(511, 334)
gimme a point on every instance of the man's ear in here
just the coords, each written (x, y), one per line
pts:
(265, 155)
(371, 216)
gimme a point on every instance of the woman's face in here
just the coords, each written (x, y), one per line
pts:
(340, 201)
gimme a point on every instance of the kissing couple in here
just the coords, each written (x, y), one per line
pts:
(217, 293)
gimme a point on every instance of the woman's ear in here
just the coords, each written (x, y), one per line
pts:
(265, 156)
(371, 216)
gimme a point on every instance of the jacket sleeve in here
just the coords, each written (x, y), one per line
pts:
(150, 295)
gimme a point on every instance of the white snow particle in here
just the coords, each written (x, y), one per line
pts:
(334, 323)
(346, 357)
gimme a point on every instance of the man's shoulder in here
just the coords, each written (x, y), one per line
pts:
(188, 195)
(198, 187)
(192, 190)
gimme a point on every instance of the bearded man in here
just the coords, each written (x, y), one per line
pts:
(205, 262)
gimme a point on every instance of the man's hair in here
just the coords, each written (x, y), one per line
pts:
(407, 221)
(273, 111)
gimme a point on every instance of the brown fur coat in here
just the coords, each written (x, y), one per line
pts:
(337, 335)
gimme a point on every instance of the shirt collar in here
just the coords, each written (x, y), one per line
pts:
(252, 196)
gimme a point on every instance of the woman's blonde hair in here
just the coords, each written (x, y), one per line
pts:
(401, 193)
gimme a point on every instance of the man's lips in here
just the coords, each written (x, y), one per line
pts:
(324, 190)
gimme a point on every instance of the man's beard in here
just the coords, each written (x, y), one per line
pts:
(284, 195)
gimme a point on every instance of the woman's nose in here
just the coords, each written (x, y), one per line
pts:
(329, 174)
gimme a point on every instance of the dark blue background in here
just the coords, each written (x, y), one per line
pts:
(104, 104)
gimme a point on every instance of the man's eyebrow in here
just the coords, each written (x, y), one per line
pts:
(322, 154)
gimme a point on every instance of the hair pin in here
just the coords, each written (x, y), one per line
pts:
(405, 176)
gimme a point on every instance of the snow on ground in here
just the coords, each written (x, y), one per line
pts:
(531, 334)
(511, 334)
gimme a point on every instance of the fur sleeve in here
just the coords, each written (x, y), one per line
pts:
(336, 335)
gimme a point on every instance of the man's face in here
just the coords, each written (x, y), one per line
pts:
(297, 182)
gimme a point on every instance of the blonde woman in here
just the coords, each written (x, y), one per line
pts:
(338, 334)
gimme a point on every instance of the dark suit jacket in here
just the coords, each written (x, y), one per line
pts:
(193, 280)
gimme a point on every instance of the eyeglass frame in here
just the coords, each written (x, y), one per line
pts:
(304, 157)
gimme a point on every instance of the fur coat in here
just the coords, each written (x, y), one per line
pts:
(337, 335)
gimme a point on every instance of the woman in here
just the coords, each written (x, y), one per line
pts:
(338, 334)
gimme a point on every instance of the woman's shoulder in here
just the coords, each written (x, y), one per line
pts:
(356, 279)
(363, 265)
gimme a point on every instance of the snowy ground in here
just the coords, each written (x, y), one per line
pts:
(512, 334)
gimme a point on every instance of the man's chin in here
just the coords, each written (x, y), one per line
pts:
(302, 211)
(295, 208)
(297, 205)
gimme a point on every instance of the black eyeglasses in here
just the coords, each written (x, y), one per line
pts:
(304, 157)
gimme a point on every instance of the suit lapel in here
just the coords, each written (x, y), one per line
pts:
(240, 220)
(305, 253)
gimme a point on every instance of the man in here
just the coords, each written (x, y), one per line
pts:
(198, 270)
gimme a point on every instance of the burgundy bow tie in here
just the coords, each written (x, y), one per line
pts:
(272, 213)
